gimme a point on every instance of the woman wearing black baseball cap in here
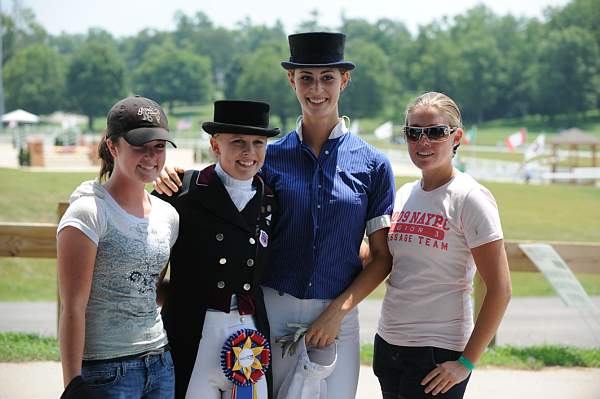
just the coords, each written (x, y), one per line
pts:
(114, 241)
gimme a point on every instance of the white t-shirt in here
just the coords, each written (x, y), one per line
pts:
(122, 317)
(428, 302)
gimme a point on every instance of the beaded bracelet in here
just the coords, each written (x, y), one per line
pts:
(466, 362)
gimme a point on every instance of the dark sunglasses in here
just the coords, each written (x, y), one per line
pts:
(433, 133)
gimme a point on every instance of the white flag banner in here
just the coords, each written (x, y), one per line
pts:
(536, 148)
(516, 139)
(384, 131)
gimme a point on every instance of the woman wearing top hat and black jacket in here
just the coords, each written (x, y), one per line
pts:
(331, 187)
(227, 214)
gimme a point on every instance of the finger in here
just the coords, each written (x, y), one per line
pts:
(441, 386)
(430, 376)
(433, 384)
(175, 178)
(156, 188)
(172, 185)
(173, 174)
(449, 385)
(160, 184)
(323, 342)
(309, 339)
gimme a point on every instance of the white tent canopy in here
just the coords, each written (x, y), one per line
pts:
(20, 116)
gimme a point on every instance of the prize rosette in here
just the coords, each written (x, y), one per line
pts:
(245, 358)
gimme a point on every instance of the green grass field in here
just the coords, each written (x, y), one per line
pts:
(545, 213)
(526, 358)
(17, 347)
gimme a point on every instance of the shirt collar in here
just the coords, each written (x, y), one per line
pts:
(229, 181)
(339, 130)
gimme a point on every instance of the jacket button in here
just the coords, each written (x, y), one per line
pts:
(219, 237)
(250, 262)
(222, 261)
(252, 241)
(246, 286)
(221, 284)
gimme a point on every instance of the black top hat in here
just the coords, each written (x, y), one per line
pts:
(138, 120)
(317, 49)
(241, 117)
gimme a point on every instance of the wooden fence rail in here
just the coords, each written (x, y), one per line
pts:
(38, 240)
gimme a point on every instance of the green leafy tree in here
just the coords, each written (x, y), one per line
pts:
(168, 75)
(95, 79)
(134, 48)
(198, 35)
(366, 94)
(437, 66)
(397, 44)
(261, 78)
(581, 13)
(66, 43)
(569, 66)
(35, 79)
(20, 29)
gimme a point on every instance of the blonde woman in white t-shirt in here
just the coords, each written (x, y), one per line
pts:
(445, 226)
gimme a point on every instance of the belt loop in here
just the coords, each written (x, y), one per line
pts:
(121, 370)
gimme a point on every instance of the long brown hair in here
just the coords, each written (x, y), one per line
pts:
(107, 162)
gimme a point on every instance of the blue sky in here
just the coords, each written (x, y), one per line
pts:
(127, 17)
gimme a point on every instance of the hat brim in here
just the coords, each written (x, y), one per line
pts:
(143, 135)
(347, 65)
(216, 127)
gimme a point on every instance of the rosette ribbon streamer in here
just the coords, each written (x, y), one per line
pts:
(245, 358)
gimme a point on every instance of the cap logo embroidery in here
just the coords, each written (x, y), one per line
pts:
(148, 113)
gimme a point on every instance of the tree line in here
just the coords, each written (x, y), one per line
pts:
(494, 66)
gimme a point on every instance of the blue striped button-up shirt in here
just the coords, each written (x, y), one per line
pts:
(326, 204)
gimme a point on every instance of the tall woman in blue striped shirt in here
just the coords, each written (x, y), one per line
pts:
(332, 186)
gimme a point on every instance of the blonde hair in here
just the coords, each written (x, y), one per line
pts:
(441, 102)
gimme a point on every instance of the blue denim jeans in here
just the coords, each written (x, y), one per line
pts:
(150, 377)
(400, 370)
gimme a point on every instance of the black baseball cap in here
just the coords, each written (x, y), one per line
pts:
(138, 120)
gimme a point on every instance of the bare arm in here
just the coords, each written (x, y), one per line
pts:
(76, 254)
(492, 265)
(364, 253)
(325, 328)
(162, 286)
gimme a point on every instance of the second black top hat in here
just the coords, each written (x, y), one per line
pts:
(241, 117)
(317, 49)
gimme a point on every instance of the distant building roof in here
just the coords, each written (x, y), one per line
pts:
(573, 136)
(20, 116)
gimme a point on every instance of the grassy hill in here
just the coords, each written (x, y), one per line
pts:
(545, 213)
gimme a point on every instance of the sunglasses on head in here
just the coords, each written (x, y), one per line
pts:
(433, 133)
